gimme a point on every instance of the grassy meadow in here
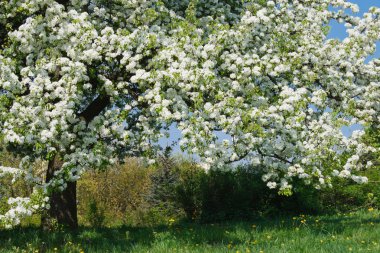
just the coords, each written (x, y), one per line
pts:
(351, 232)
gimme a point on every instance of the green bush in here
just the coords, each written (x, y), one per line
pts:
(95, 214)
(121, 189)
(189, 189)
(231, 194)
(348, 196)
(163, 182)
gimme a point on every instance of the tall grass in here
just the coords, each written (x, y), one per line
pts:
(352, 232)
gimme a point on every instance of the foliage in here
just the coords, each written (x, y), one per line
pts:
(19, 188)
(95, 214)
(189, 189)
(181, 189)
(347, 196)
(161, 194)
(120, 191)
(232, 194)
(350, 197)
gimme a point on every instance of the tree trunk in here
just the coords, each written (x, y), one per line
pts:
(63, 205)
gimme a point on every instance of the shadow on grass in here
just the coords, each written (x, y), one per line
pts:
(124, 239)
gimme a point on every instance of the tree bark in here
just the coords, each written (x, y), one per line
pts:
(63, 205)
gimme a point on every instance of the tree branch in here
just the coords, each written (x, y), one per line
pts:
(274, 156)
(63, 2)
(95, 108)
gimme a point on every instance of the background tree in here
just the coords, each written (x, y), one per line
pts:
(86, 83)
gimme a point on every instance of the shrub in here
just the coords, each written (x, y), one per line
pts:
(349, 196)
(162, 195)
(230, 194)
(95, 214)
(122, 189)
(189, 189)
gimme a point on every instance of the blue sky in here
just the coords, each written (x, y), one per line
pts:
(337, 31)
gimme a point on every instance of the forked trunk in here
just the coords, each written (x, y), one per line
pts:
(63, 205)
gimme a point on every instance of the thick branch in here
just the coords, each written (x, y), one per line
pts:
(95, 108)
(276, 156)
(63, 2)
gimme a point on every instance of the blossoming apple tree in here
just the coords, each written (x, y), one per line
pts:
(85, 83)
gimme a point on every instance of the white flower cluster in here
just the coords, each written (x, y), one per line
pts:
(94, 81)
(9, 171)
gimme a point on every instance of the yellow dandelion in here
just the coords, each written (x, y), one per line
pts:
(370, 209)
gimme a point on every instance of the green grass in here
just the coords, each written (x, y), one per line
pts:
(354, 232)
